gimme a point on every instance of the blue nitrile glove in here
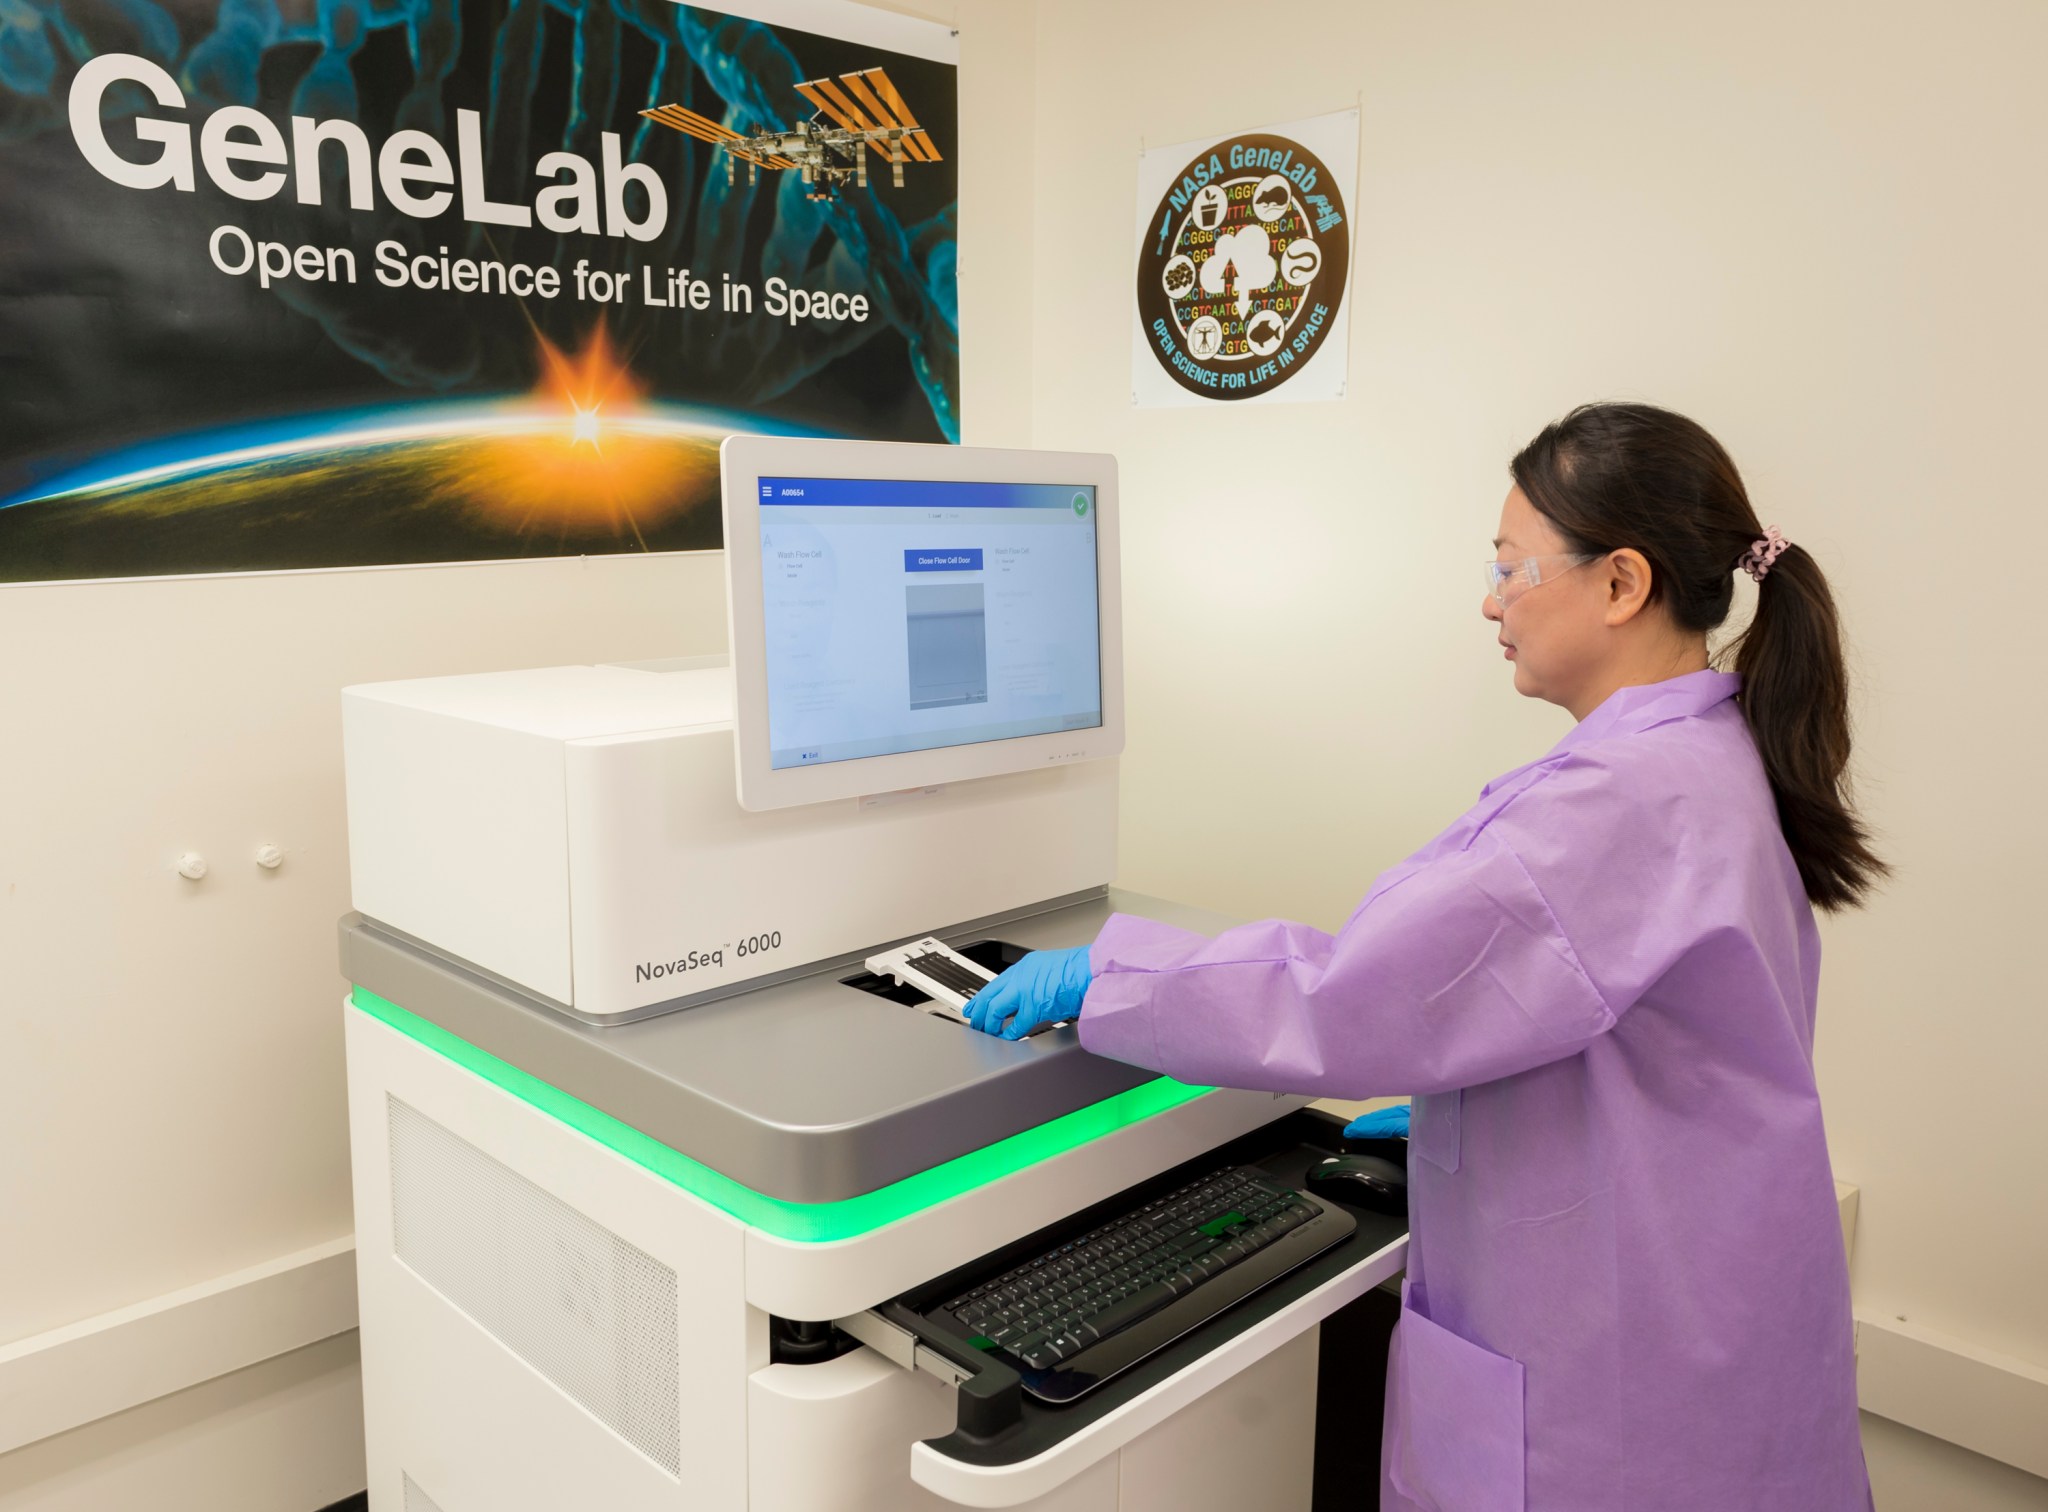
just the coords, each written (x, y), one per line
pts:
(1044, 988)
(1381, 1123)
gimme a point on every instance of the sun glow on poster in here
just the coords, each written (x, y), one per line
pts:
(591, 453)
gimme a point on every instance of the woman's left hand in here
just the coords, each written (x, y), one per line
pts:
(1046, 987)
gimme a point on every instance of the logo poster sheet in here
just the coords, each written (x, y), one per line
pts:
(1244, 247)
(329, 283)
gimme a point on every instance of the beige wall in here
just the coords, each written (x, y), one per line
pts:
(172, 1050)
(1815, 227)
(1911, 1472)
(282, 1436)
(170, 1054)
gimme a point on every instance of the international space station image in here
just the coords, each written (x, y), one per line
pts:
(864, 112)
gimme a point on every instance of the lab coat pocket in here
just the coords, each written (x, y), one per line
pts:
(1460, 1444)
(1434, 1119)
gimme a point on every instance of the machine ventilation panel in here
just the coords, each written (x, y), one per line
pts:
(593, 1314)
(417, 1500)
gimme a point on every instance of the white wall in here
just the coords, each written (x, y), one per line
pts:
(1816, 228)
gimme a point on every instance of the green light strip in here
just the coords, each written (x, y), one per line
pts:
(805, 1222)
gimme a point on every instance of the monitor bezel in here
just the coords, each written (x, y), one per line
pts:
(744, 460)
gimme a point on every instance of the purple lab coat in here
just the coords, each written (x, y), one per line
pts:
(1626, 1286)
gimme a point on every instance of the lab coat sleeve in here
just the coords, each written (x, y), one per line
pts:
(1453, 973)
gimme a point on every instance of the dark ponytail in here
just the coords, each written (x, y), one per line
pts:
(1610, 476)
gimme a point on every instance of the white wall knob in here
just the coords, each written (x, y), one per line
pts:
(269, 857)
(192, 866)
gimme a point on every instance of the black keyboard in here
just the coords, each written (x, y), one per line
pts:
(1076, 1315)
(947, 972)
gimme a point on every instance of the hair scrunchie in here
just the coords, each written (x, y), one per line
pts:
(1768, 548)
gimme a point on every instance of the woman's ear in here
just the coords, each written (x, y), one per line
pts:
(1628, 585)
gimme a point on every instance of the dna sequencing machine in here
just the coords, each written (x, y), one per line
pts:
(680, 1182)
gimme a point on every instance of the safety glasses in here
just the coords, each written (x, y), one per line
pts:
(1508, 581)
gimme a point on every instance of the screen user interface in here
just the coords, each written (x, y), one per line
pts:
(904, 616)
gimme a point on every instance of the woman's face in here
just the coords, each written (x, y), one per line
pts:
(1555, 631)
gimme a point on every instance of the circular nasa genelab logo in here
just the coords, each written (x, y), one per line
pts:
(1243, 266)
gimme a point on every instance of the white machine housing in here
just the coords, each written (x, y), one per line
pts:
(574, 831)
(547, 1325)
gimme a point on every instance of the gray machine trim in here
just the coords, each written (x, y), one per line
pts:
(806, 1090)
(983, 928)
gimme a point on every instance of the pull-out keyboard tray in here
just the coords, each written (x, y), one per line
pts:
(1010, 1412)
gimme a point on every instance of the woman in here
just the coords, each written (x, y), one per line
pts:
(1626, 1286)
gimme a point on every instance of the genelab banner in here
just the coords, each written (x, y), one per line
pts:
(364, 282)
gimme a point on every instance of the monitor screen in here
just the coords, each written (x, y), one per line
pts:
(909, 615)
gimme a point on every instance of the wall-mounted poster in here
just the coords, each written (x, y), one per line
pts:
(1244, 247)
(332, 283)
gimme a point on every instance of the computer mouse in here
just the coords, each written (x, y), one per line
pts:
(1366, 1181)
